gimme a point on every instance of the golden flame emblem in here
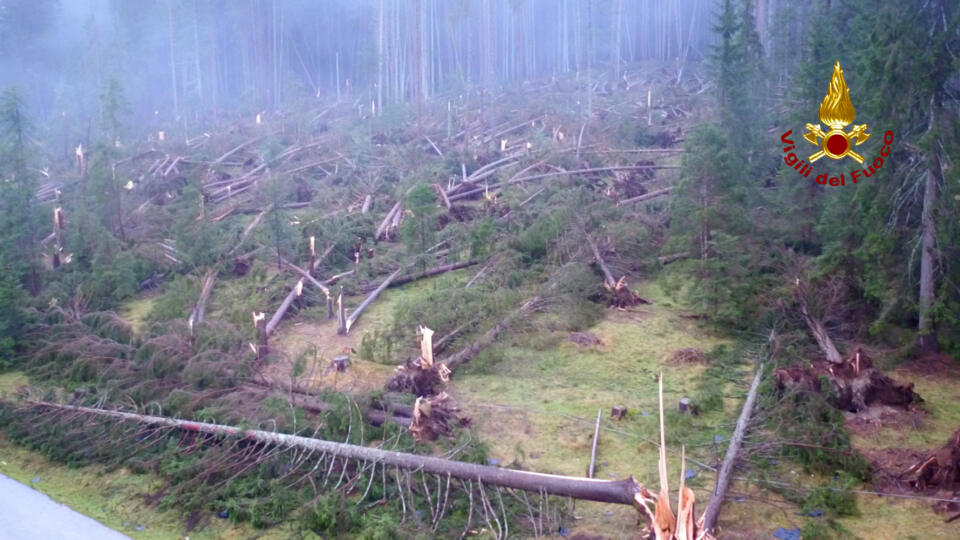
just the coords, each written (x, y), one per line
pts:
(836, 111)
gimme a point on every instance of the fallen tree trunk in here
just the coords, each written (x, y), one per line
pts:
(467, 353)
(402, 280)
(606, 491)
(367, 301)
(820, 335)
(723, 477)
(646, 196)
(294, 293)
(200, 308)
(306, 275)
(385, 224)
(608, 278)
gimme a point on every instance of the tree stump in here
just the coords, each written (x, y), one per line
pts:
(618, 413)
(685, 406)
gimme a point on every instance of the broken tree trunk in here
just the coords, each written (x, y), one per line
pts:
(820, 334)
(593, 449)
(296, 291)
(723, 477)
(367, 301)
(468, 352)
(402, 280)
(306, 275)
(385, 224)
(606, 491)
(608, 278)
(646, 196)
(367, 202)
(200, 308)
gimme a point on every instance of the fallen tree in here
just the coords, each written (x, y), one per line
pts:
(431, 272)
(606, 491)
(712, 513)
(355, 314)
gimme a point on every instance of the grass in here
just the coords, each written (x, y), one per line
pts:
(114, 498)
(135, 311)
(534, 400)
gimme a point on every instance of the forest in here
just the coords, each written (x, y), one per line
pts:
(587, 269)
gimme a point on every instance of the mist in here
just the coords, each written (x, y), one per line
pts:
(187, 63)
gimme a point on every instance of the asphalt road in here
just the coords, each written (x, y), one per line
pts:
(27, 514)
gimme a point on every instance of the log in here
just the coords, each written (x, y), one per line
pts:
(367, 203)
(467, 353)
(249, 228)
(295, 292)
(403, 280)
(439, 153)
(385, 224)
(234, 150)
(646, 196)
(605, 491)
(723, 476)
(608, 278)
(306, 275)
(368, 300)
(199, 310)
(593, 449)
(442, 193)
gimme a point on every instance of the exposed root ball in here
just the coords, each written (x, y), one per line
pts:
(856, 383)
(940, 469)
(411, 377)
(622, 297)
(433, 417)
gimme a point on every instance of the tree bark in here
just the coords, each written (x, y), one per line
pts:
(402, 280)
(712, 513)
(608, 278)
(606, 491)
(646, 196)
(369, 300)
(820, 334)
(385, 224)
(468, 352)
(926, 334)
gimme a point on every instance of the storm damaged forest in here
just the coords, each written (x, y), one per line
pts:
(587, 269)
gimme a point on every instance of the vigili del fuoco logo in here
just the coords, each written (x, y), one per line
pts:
(836, 111)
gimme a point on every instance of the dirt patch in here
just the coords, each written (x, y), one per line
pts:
(586, 339)
(688, 356)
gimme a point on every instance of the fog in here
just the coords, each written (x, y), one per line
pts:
(193, 62)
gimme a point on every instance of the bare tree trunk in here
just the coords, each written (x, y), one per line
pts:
(369, 300)
(926, 333)
(468, 352)
(607, 491)
(608, 278)
(402, 280)
(820, 334)
(646, 196)
(723, 476)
